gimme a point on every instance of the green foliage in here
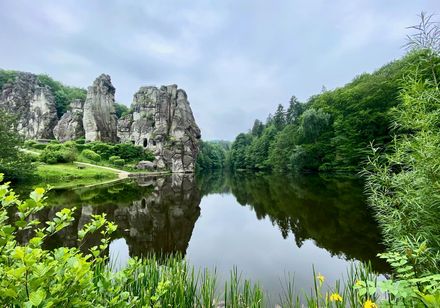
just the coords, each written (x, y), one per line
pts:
(116, 160)
(332, 130)
(402, 181)
(89, 154)
(212, 155)
(64, 95)
(121, 110)
(55, 153)
(14, 163)
(6, 77)
(39, 146)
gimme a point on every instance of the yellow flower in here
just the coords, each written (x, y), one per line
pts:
(320, 278)
(39, 190)
(370, 304)
(335, 297)
(358, 283)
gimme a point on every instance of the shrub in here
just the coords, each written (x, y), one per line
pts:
(113, 158)
(91, 155)
(104, 149)
(39, 146)
(29, 143)
(58, 154)
(119, 162)
(80, 141)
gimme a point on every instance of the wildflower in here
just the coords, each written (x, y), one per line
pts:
(358, 283)
(40, 190)
(320, 278)
(370, 304)
(335, 297)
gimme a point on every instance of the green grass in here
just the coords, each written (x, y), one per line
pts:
(71, 175)
(129, 166)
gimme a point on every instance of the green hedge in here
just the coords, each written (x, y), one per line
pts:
(91, 155)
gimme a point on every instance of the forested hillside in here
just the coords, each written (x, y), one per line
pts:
(333, 130)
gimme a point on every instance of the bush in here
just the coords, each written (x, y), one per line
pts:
(91, 155)
(29, 143)
(54, 154)
(113, 158)
(104, 149)
(39, 146)
(119, 162)
(80, 141)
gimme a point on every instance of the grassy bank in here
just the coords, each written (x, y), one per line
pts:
(71, 175)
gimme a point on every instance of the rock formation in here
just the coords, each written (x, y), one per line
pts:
(33, 105)
(99, 119)
(70, 126)
(162, 121)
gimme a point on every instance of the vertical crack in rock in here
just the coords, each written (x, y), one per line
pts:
(99, 119)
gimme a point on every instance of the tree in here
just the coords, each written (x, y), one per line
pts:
(279, 118)
(64, 95)
(257, 128)
(294, 111)
(121, 110)
(14, 164)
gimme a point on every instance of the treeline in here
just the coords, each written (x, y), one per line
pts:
(333, 130)
(213, 155)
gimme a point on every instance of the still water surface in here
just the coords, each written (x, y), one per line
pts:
(266, 225)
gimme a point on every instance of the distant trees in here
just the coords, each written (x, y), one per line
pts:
(212, 155)
(121, 110)
(14, 164)
(332, 130)
(64, 95)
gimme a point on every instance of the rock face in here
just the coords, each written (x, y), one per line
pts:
(162, 121)
(99, 119)
(32, 103)
(70, 126)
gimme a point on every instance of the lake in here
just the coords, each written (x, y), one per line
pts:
(266, 225)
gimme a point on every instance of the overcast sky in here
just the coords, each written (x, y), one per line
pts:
(236, 59)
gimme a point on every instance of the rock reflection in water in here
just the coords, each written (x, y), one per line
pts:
(153, 214)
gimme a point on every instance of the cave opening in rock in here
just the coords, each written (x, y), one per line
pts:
(145, 142)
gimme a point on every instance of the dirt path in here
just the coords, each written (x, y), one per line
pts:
(122, 174)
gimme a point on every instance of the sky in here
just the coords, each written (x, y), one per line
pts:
(236, 59)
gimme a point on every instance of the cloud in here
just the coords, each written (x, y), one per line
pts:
(237, 60)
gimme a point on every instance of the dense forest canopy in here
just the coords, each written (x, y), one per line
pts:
(333, 130)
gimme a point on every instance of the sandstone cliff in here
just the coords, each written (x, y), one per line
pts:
(33, 105)
(99, 119)
(162, 121)
(70, 126)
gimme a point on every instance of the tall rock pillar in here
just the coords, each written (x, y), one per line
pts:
(99, 120)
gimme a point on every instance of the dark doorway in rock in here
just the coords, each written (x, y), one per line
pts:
(143, 203)
(145, 142)
(154, 142)
(133, 142)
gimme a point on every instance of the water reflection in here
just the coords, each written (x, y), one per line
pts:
(159, 214)
(330, 211)
(153, 214)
